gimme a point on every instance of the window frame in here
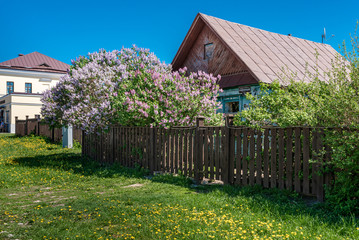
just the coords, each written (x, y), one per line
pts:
(12, 84)
(27, 86)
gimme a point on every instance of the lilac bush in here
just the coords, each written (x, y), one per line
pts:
(129, 87)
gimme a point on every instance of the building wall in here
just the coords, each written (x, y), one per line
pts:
(222, 62)
(40, 81)
(15, 105)
(18, 103)
(231, 95)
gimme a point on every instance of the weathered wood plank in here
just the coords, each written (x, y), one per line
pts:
(239, 157)
(266, 159)
(281, 158)
(297, 160)
(223, 154)
(217, 145)
(259, 158)
(251, 157)
(273, 158)
(289, 162)
(306, 151)
(320, 186)
(211, 153)
(245, 156)
(231, 158)
(205, 153)
(190, 153)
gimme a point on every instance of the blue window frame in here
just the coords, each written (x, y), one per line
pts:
(28, 87)
(10, 87)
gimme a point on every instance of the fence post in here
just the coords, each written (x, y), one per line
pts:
(37, 130)
(26, 125)
(198, 161)
(228, 165)
(16, 129)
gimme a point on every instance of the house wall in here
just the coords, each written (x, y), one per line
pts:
(231, 95)
(40, 81)
(223, 62)
(19, 103)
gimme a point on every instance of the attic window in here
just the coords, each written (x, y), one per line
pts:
(44, 65)
(208, 50)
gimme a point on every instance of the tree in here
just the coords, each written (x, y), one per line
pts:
(129, 87)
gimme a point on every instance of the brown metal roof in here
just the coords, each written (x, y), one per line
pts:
(36, 61)
(269, 56)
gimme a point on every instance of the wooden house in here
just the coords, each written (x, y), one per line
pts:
(245, 56)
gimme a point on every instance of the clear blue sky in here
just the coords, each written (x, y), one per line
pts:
(66, 29)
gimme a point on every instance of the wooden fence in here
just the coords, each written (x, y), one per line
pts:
(286, 158)
(37, 127)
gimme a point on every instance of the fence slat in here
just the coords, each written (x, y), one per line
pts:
(239, 156)
(281, 158)
(211, 154)
(245, 155)
(205, 152)
(297, 160)
(266, 159)
(306, 150)
(190, 153)
(231, 158)
(217, 145)
(289, 163)
(273, 158)
(252, 157)
(320, 186)
(223, 155)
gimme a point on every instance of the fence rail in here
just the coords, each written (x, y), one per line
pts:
(286, 158)
(37, 127)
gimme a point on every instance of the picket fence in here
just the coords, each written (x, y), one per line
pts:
(38, 127)
(292, 158)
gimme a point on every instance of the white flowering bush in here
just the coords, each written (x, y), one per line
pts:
(129, 87)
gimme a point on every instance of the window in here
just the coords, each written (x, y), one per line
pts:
(232, 107)
(208, 50)
(28, 87)
(10, 87)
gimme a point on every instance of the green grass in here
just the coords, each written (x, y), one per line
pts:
(47, 192)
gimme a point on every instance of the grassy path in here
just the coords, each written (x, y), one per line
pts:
(51, 193)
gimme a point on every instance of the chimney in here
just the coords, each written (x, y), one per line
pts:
(20, 54)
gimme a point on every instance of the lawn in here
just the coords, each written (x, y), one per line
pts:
(47, 192)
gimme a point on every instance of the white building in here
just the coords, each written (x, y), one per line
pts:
(22, 82)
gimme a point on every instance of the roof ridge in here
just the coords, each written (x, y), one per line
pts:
(326, 44)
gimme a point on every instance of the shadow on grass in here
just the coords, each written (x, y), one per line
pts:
(80, 165)
(279, 201)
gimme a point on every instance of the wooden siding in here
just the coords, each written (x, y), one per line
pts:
(222, 62)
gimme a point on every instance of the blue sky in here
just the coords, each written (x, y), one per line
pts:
(66, 29)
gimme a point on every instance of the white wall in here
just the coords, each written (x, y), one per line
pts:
(40, 81)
